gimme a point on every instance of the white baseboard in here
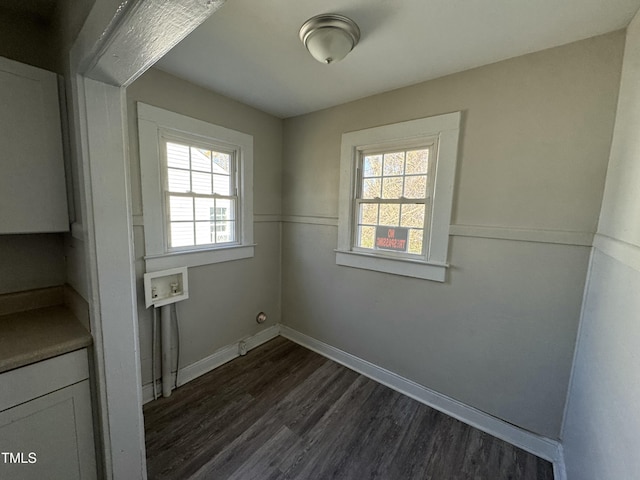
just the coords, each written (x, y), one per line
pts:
(538, 445)
(263, 336)
(218, 358)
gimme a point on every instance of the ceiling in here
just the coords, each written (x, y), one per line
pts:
(249, 50)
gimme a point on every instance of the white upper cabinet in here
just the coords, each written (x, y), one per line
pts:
(33, 196)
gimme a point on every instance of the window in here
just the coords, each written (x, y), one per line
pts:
(396, 189)
(201, 195)
(196, 190)
(392, 201)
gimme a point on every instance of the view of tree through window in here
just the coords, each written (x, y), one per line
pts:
(392, 192)
(201, 196)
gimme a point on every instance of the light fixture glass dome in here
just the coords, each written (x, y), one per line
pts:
(329, 38)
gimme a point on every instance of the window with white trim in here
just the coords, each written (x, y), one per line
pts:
(392, 200)
(201, 194)
(396, 191)
(197, 181)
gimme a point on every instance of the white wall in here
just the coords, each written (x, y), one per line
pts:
(35, 261)
(29, 261)
(601, 433)
(68, 19)
(499, 334)
(226, 297)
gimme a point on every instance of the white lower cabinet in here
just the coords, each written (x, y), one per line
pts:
(49, 436)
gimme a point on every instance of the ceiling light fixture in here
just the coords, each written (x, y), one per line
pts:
(329, 38)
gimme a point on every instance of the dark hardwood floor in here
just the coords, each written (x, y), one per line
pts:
(284, 412)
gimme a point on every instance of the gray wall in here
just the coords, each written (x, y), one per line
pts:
(499, 334)
(601, 434)
(28, 38)
(225, 297)
(31, 261)
(42, 37)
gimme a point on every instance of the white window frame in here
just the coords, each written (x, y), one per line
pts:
(155, 125)
(429, 144)
(443, 132)
(197, 142)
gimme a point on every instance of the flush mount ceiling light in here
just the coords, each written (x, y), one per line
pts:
(329, 38)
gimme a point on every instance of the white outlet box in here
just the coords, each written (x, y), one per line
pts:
(166, 286)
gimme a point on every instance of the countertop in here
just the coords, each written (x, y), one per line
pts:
(34, 335)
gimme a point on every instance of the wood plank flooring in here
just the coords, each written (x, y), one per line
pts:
(284, 412)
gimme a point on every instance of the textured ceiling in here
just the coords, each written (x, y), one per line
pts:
(249, 50)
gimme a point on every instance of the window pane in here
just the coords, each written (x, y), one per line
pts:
(412, 215)
(394, 163)
(390, 215)
(177, 155)
(180, 208)
(392, 187)
(369, 213)
(415, 187)
(371, 188)
(225, 209)
(205, 208)
(222, 184)
(201, 183)
(417, 161)
(372, 166)
(225, 232)
(415, 241)
(366, 237)
(182, 234)
(204, 234)
(200, 159)
(178, 180)
(221, 163)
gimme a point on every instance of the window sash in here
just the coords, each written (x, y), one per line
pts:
(358, 200)
(214, 222)
(424, 229)
(235, 197)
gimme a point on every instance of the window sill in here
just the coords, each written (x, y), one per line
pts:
(407, 268)
(196, 258)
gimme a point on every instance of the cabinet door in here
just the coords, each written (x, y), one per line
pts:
(50, 437)
(33, 196)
